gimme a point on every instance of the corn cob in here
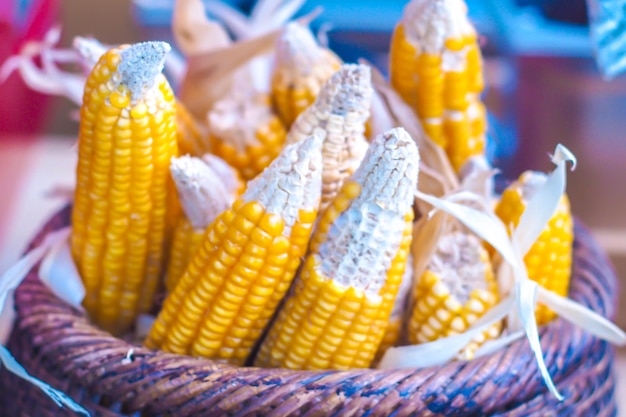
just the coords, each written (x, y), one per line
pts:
(203, 196)
(301, 68)
(245, 132)
(396, 321)
(245, 263)
(436, 66)
(456, 289)
(340, 111)
(342, 300)
(549, 260)
(127, 138)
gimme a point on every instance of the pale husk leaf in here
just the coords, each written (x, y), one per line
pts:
(9, 281)
(446, 349)
(59, 273)
(589, 320)
(544, 202)
(61, 399)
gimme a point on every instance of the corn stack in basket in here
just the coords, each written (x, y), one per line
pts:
(337, 314)
(245, 263)
(436, 67)
(301, 67)
(456, 289)
(549, 260)
(339, 112)
(127, 138)
(245, 132)
(203, 196)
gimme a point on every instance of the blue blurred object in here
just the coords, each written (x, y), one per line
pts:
(608, 31)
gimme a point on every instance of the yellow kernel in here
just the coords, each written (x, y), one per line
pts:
(458, 324)
(440, 290)
(253, 211)
(272, 224)
(119, 100)
(139, 111)
(261, 238)
(307, 216)
(280, 245)
(452, 304)
(352, 190)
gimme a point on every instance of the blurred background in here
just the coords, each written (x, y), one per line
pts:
(543, 87)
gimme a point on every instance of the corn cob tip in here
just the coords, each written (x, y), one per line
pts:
(430, 23)
(389, 170)
(296, 47)
(229, 175)
(237, 118)
(349, 90)
(292, 182)
(89, 48)
(460, 261)
(202, 194)
(140, 65)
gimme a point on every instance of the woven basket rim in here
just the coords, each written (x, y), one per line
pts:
(64, 342)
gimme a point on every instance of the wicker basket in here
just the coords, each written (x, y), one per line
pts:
(57, 344)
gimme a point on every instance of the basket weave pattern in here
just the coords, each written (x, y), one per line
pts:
(57, 344)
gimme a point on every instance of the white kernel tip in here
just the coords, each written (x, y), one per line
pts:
(201, 192)
(140, 65)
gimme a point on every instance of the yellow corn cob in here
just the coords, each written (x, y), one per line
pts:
(436, 66)
(245, 132)
(245, 263)
(456, 289)
(396, 321)
(342, 300)
(549, 260)
(127, 138)
(300, 69)
(191, 139)
(203, 196)
(340, 112)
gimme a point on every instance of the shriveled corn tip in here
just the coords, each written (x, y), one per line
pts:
(457, 288)
(296, 48)
(549, 260)
(349, 90)
(201, 192)
(301, 67)
(388, 172)
(229, 176)
(432, 25)
(385, 176)
(140, 65)
(245, 132)
(339, 113)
